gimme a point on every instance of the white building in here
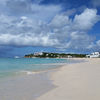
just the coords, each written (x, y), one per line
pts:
(38, 53)
(69, 56)
(94, 55)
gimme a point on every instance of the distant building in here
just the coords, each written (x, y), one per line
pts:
(69, 56)
(47, 54)
(38, 53)
(94, 55)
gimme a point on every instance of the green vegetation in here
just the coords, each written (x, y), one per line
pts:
(55, 55)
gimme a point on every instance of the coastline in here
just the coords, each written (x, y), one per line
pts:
(78, 81)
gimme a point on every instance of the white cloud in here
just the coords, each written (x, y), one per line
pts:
(98, 43)
(34, 10)
(86, 20)
(20, 40)
(60, 21)
(60, 32)
(73, 33)
(24, 32)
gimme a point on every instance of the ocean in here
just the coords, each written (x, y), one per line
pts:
(12, 67)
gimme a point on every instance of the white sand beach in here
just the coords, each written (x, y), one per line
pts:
(80, 81)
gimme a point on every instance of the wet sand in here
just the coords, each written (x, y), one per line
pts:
(79, 81)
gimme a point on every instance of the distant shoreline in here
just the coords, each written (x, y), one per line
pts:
(54, 55)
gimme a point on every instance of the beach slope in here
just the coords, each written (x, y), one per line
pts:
(79, 81)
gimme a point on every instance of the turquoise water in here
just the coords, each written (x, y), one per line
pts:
(11, 66)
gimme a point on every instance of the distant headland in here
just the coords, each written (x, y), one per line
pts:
(54, 55)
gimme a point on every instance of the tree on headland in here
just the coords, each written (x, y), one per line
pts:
(55, 55)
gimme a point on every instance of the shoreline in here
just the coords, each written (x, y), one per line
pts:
(78, 81)
(37, 71)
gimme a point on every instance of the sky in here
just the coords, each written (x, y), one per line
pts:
(69, 26)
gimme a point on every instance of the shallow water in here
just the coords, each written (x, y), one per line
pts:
(12, 67)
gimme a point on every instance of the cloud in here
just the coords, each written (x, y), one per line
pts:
(98, 43)
(24, 32)
(86, 20)
(73, 33)
(20, 40)
(46, 26)
(32, 9)
(60, 21)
